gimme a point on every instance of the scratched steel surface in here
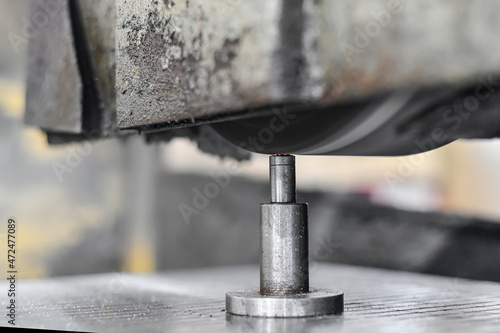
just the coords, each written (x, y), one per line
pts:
(179, 61)
(187, 301)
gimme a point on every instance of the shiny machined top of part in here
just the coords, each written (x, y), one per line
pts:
(282, 179)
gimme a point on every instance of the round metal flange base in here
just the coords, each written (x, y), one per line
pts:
(313, 303)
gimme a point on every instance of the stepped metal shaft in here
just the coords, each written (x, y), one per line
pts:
(284, 265)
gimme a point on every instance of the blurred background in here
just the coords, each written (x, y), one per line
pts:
(122, 205)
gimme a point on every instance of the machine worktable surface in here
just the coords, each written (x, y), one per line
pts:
(193, 300)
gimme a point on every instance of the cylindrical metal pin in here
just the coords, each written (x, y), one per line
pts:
(282, 174)
(284, 267)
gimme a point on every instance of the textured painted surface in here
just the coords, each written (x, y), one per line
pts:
(416, 43)
(193, 301)
(179, 60)
(54, 88)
